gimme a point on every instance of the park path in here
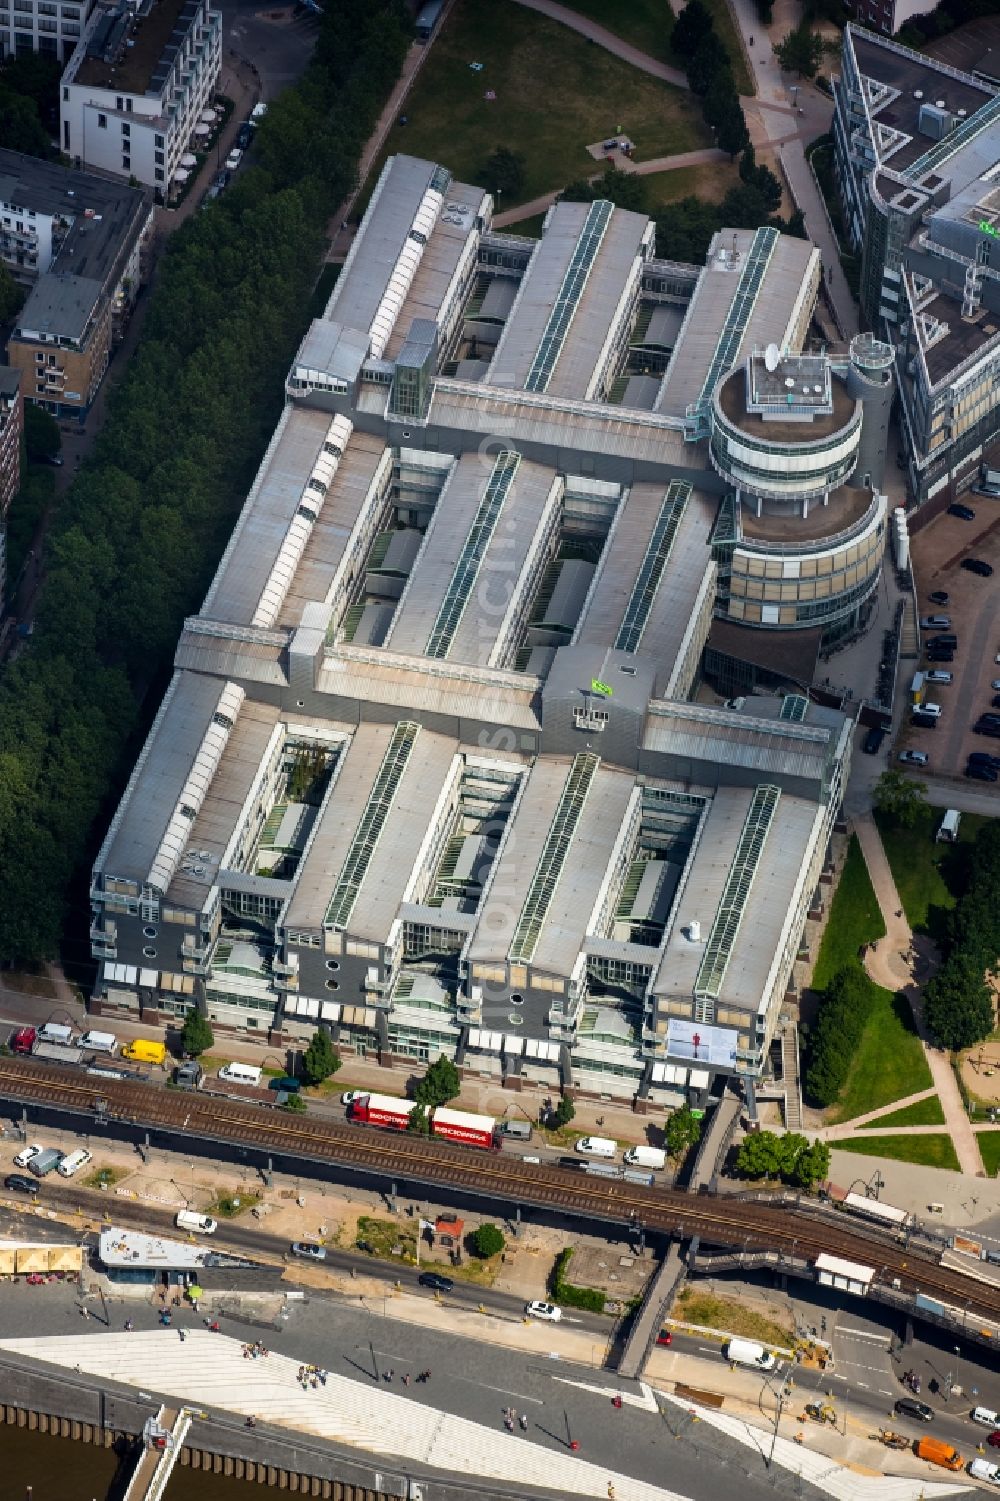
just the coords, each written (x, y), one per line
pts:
(872, 1117)
(641, 169)
(895, 962)
(608, 40)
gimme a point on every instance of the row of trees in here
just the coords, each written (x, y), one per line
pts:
(706, 63)
(790, 1158)
(958, 1003)
(834, 1038)
(142, 526)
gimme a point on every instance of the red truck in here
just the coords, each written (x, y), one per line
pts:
(23, 1040)
(450, 1125)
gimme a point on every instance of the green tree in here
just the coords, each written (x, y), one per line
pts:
(197, 1036)
(440, 1084)
(801, 51)
(708, 65)
(11, 300)
(295, 1103)
(812, 1165)
(42, 437)
(691, 28)
(731, 132)
(682, 1130)
(624, 189)
(419, 1122)
(790, 1157)
(899, 797)
(758, 1156)
(321, 1059)
(958, 1007)
(563, 1113)
(35, 77)
(504, 172)
(20, 127)
(487, 1241)
(836, 1033)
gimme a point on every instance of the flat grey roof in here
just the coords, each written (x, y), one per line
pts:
(708, 310)
(522, 514)
(250, 555)
(615, 266)
(164, 766)
(369, 266)
(729, 738)
(536, 295)
(60, 303)
(438, 265)
(397, 683)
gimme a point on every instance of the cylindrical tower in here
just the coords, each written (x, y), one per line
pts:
(870, 381)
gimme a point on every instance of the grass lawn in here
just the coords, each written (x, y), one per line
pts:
(929, 876)
(730, 1317)
(889, 1063)
(647, 24)
(989, 1147)
(928, 1151)
(531, 227)
(710, 182)
(228, 1206)
(922, 1113)
(725, 27)
(556, 93)
(386, 1238)
(855, 919)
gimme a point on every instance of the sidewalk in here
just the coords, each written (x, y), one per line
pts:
(901, 962)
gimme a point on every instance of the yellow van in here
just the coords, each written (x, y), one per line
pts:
(145, 1050)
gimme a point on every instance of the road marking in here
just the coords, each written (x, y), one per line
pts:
(871, 1334)
(646, 1402)
(709, 1349)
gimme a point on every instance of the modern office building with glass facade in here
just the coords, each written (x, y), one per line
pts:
(429, 772)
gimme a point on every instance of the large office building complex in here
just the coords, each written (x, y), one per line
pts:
(78, 241)
(49, 27)
(136, 85)
(432, 770)
(917, 154)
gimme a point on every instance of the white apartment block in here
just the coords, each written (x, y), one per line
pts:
(136, 85)
(41, 26)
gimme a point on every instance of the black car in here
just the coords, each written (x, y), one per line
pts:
(872, 743)
(924, 721)
(977, 565)
(939, 597)
(977, 772)
(436, 1281)
(947, 640)
(995, 701)
(244, 135)
(909, 1407)
(19, 1184)
(965, 513)
(985, 759)
(943, 654)
(988, 727)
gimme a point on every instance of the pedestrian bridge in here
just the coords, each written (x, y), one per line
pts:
(162, 1440)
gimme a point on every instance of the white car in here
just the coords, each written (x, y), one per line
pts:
(350, 1095)
(25, 1155)
(234, 158)
(937, 675)
(995, 685)
(932, 709)
(914, 758)
(545, 1311)
(935, 622)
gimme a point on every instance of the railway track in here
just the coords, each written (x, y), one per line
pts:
(718, 1221)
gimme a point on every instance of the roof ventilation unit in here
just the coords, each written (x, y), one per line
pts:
(694, 931)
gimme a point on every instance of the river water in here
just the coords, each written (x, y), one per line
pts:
(43, 1468)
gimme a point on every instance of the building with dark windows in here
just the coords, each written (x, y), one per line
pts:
(431, 771)
(917, 150)
(11, 432)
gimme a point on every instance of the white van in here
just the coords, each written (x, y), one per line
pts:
(597, 1146)
(52, 1032)
(98, 1042)
(986, 1416)
(201, 1224)
(949, 826)
(982, 1469)
(74, 1162)
(654, 1157)
(240, 1073)
(749, 1352)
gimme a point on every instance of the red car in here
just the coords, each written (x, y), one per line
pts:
(994, 1439)
(666, 1338)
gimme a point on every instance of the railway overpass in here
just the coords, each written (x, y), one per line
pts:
(796, 1230)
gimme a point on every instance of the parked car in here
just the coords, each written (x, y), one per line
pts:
(244, 135)
(664, 1337)
(221, 180)
(985, 758)
(994, 1439)
(234, 158)
(935, 622)
(933, 709)
(978, 565)
(924, 721)
(937, 676)
(939, 597)
(940, 654)
(872, 743)
(995, 701)
(545, 1311)
(909, 1407)
(964, 513)
(436, 1281)
(995, 685)
(987, 727)
(914, 758)
(308, 1250)
(25, 1155)
(17, 1183)
(977, 772)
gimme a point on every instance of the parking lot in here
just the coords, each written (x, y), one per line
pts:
(974, 609)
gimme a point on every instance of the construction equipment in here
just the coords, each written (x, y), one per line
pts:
(890, 1439)
(820, 1412)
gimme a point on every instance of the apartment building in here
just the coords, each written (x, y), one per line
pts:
(428, 772)
(11, 430)
(78, 241)
(917, 152)
(48, 27)
(136, 85)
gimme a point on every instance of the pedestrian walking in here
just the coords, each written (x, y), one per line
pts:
(183, 1334)
(523, 1420)
(128, 1326)
(406, 1379)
